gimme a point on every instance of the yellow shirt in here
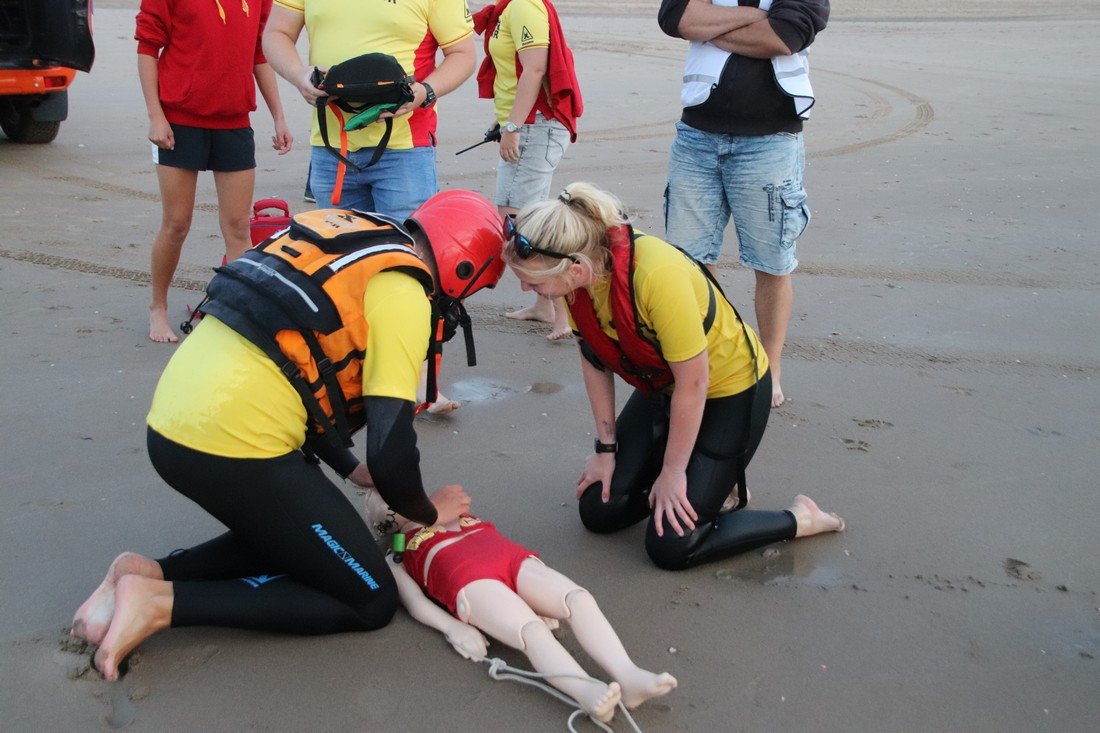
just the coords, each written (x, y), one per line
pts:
(220, 394)
(672, 296)
(524, 24)
(409, 30)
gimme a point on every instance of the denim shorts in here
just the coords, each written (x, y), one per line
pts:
(756, 179)
(205, 149)
(541, 146)
(396, 185)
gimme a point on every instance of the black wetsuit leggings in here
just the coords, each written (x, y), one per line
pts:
(297, 558)
(729, 435)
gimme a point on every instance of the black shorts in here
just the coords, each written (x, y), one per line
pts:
(203, 149)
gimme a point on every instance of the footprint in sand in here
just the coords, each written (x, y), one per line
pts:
(859, 445)
(1021, 570)
(872, 422)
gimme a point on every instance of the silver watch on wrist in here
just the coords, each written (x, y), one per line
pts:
(510, 126)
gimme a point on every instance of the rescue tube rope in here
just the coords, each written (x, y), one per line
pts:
(500, 670)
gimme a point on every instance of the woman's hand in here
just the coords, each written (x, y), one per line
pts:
(668, 500)
(509, 146)
(467, 640)
(160, 133)
(597, 467)
(450, 502)
(282, 140)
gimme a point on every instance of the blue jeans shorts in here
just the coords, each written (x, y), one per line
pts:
(396, 185)
(541, 147)
(756, 179)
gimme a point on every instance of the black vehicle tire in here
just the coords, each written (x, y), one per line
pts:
(19, 127)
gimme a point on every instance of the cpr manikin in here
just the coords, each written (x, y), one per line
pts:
(496, 586)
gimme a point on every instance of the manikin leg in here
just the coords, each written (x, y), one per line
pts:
(553, 595)
(495, 609)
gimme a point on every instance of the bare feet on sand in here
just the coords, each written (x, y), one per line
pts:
(143, 606)
(811, 520)
(731, 500)
(442, 405)
(93, 618)
(159, 330)
(561, 329)
(641, 685)
(542, 310)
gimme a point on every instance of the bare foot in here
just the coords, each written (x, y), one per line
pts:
(811, 520)
(143, 606)
(556, 334)
(641, 685)
(542, 310)
(731, 500)
(93, 618)
(159, 330)
(600, 704)
(442, 405)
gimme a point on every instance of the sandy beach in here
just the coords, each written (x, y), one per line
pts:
(942, 372)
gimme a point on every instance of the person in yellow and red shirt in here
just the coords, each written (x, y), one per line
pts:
(246, 403)
(678, 451)
(412, 31)
(528, 73)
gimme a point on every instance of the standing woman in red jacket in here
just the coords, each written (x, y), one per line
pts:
(528, 73)
(196, 61)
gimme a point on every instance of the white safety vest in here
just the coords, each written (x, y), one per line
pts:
(705, 62)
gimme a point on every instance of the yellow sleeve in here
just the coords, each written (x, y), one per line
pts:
(449, 22)
(529, 24)
(398, 317)
(298, 6)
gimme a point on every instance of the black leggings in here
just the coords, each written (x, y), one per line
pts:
(728, 437)
(297, 558)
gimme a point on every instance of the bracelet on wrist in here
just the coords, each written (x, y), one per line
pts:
(606, 447)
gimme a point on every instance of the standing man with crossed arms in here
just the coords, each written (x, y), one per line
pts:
(738, 149)
(411, 31)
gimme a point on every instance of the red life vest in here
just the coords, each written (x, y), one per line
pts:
(633, 357)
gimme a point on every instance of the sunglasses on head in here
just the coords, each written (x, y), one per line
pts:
(524, 248)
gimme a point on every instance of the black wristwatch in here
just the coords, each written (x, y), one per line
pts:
(430, 97)
(606, 447)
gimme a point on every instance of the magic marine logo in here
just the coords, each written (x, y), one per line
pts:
(345, 556)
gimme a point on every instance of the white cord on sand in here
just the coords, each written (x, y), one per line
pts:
(499, 670)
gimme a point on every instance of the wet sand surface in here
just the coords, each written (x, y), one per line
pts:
(941, 369)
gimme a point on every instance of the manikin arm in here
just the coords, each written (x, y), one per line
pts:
(466, 640)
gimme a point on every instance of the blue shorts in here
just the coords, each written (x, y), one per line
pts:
(756, 179)
(396, 185)
(541, 147)
(205, 149)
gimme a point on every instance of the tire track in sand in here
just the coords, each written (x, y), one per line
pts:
(836, 350)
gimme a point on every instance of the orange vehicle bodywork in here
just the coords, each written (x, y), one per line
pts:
(35, 81)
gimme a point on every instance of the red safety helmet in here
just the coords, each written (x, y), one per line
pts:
(466, 235)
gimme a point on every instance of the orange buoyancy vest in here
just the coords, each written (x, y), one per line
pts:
(299, 297)
(634, 357)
